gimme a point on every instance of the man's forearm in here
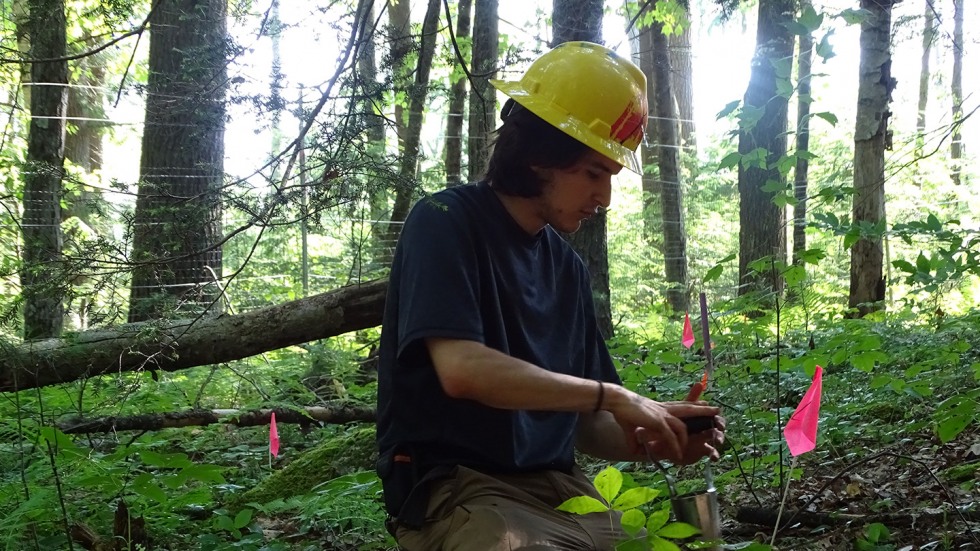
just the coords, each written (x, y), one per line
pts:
(470, 370)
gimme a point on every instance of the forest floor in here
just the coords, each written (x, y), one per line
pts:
(911, 489)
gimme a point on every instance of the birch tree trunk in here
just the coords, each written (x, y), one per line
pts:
(871, 138)
(42, 283)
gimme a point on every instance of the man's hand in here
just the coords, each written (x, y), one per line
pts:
(646, 422)
(701, 444)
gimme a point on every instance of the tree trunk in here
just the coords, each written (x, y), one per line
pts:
(762, 232)
(803, 64)
(483, 102)
(672, 198)
(582, 20)
(956, 89)
(371, 96)
(682, 84)
(650, 180)
(405, 193)
(177, 225)
(928, 37)
(457, 100)
(42, 283)
(188, 343)
(871, 138)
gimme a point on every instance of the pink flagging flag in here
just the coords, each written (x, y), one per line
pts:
(688, 339)
(273, 437)
(801, 429)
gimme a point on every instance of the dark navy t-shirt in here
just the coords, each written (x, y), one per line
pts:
(464, 269)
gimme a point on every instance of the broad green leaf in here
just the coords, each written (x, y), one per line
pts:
(976, 370)
(810, 19)
(714, 273)
(632, 545)
(879, 381)
(923, 264)
(865, 361)
(854, 16)
(155, 459)
(634, 497)
(829, 117)
(728, 109)
(608, 482)
(772, 186)
(824, 48)
(877, 532)
(730, 161)
(904, 265)
(146, 487)
(633, 521)
(794, 275)
(678, 530)
(952, 426)
(657, 520)
(659, 544)
(583, 505)
(243, 518)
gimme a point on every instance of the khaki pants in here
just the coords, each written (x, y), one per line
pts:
(472, 511)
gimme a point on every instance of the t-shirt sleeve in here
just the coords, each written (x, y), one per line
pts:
(438, 278)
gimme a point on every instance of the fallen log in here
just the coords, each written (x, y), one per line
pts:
(175, 345)
(199, 417)
(810, 519)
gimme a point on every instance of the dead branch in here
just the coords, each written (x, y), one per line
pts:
(199, 417)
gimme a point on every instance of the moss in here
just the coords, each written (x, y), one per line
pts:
(351, 451)
(962, 473)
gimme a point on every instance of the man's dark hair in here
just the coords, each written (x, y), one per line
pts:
(525, 140)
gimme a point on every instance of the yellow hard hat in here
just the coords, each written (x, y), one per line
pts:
(589, 92)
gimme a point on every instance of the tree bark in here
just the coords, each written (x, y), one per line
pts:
(582, 20)
(956, 89)
(672, 198)
(405, 194)
(336, 415)
(177, 224)
(188, 343)
(928, 37)
(650, 180)
(457, 100)
(762, 223)
(871, 138)
(800, 173)
(41, 281)
(682, 86)
(483, 99)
